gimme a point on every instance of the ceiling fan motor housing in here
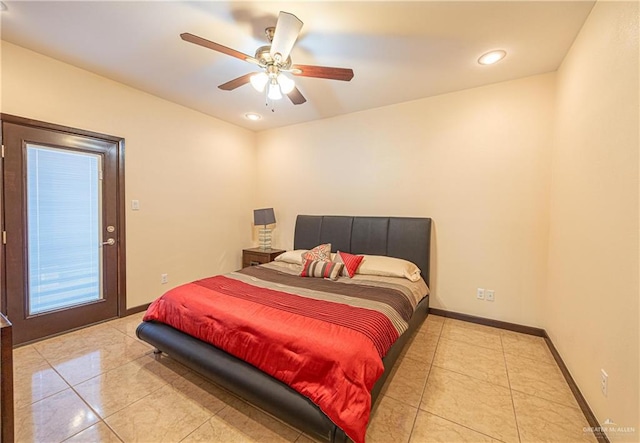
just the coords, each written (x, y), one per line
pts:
(263, 55)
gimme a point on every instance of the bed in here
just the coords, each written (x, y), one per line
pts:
(401, 237)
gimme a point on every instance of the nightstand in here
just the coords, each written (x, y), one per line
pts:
(257, 256)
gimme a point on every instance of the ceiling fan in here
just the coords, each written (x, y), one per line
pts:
(274, 60)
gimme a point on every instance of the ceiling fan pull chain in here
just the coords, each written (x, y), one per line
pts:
(268, 101)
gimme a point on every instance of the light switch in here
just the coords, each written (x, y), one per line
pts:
(135, 205)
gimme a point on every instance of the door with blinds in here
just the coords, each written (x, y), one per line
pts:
(62, 229)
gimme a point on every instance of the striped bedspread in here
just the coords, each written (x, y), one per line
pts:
(325, 339)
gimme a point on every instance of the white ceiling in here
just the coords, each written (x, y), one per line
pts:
(399, 51)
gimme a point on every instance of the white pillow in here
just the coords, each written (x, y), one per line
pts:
(294, 256)
(388, 267)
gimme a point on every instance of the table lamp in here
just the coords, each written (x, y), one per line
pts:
(264, 217)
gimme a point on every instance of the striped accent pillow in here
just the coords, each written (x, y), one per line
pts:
(351, 263)
(320, 252)
(320, 268)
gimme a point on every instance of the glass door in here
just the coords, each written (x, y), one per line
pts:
(60, 194)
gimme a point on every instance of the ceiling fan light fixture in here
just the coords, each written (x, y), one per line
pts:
(259, 81)
(274, 91)
(286, 84)
(492, 57)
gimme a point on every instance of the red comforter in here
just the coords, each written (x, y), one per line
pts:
(327, 350)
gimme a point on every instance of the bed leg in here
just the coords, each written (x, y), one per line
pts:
(157, 353)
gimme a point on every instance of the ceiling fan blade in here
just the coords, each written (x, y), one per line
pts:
(285, 35)
(236, 82)
(217, 47)
(296, 97)
(343, 74)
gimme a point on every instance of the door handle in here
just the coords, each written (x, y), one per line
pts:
(109, 242)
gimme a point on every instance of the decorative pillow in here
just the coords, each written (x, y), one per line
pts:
(389, 267)
(351, 262)
(320, 252)
(294, 256)
(321, 268)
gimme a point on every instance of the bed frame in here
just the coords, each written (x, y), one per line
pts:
(401, 237)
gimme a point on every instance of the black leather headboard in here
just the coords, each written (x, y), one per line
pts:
(402, 237)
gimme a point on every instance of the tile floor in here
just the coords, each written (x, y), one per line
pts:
(456, 382)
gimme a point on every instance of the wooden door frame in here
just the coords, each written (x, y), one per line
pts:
(120, 204)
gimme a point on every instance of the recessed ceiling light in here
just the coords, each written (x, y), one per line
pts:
(492, 57)
(253, 116)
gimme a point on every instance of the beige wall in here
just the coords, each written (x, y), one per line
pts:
(591, 307)
(192, 174)
(476, 161)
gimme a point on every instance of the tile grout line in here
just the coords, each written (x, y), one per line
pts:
(464, 324)
(198, 426)
(96, 423)
(298, 437)
(424, 388)
(465, 426)
(471, 344)
(472, 377)
(513, 405)
(112, 430)
(532, 359)
(546, 399)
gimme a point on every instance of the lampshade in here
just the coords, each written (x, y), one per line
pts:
(263, 216)
(274, 90)
(259, 81)
(286, 84)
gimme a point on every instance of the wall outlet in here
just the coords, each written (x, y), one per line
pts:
(164, 278)
(489, 294)
(604, 382)
(480, 294)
